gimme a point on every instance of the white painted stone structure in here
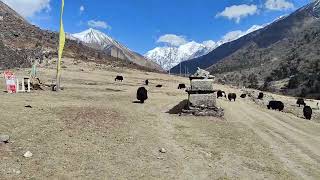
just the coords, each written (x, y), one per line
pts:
(201, 97)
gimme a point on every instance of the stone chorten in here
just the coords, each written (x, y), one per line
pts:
(202, 100)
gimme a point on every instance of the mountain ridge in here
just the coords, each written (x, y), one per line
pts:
(283, 56)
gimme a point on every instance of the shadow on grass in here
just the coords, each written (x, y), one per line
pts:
(113, 90)
(178, 108)
(137, 102)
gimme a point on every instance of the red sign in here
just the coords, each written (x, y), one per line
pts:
(10, 81)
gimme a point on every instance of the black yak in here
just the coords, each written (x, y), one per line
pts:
(232, 96)
(221, 94)
(260, 95)
(243, 96)
(307, 112)
(159, 86)
(181, 86)
(300, 102)
(146, 82)
(142, 94)
(119, 78)
(276, 105)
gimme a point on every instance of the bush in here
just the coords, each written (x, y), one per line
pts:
(293, 82)
(253, 81)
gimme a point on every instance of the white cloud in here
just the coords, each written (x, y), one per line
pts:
(28, 8)
(172, 39)
(81, 9)
(99, 24)
(233, 35)
(237, 12)
(278, 5)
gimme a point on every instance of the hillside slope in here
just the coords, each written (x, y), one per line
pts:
(283, 56)
(291, 64)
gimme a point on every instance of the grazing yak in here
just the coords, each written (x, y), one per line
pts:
(276, 105)
(221, 94)
(181, 86)
(243, 96)
(300, 102)
(232, 96)
(260, 95)
(119, 78)
(142, 94)
(307, 112)
(159, 86)
(146, 82)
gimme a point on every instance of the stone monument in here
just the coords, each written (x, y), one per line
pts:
(201, 97)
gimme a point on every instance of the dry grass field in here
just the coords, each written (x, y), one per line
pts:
(93, 130)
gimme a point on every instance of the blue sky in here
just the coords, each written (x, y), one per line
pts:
(140, 23)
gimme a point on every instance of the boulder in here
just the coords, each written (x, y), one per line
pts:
(4, 138)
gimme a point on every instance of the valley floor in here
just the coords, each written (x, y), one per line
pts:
(93, 130)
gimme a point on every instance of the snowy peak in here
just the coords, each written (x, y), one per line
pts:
(100, 41)
(98, 38)
(169, 56)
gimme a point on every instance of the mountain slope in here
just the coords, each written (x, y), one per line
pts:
(289, 64)
(22, 43)
(283, 56)
(98, 40)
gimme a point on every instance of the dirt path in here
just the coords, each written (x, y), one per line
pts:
(294, 141)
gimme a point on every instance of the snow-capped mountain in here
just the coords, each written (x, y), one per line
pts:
(168, 56)
(98, 40)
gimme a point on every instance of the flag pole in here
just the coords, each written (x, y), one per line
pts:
(62, 39)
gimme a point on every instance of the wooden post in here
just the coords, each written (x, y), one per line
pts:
(29, 86)
(58, 77)
(17, 87)
(23, 89)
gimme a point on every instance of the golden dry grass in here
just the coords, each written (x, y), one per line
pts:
(92, 130)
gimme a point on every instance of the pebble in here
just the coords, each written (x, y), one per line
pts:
(4, 138)
(28, 154)
(163, 150)
(16, 171)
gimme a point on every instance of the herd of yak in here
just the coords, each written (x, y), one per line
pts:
(142, 95)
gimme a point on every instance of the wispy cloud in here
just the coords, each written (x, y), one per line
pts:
(81, 9)
(28, 8)
(172, 39)
(237, 12)
(278, 5)
(99, 24)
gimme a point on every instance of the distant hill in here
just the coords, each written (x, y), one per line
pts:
(22, 43)
(284, 56)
